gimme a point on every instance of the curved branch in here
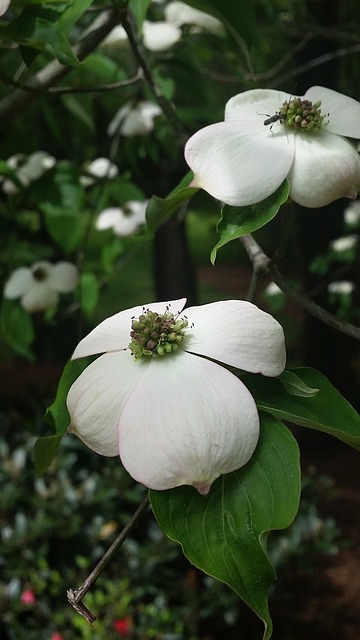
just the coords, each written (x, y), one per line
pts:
(19, 99)
(262, 263)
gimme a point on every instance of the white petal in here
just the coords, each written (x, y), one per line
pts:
(19, 282)
(4, 5)
(160, 36)
(36, 165)
(137, 209)
(126, 226)
(108, 218)
(187, 422)
(239, 334)
(40, 297)
(344, 112)
(135, 124)
(148, 109)
(116, 38)
(256, 105)
(102, 168)
(179, 13)
(96, 400)
(113, 334)
(326, 168)
(63, 277)
(237, 162)
(118, 118)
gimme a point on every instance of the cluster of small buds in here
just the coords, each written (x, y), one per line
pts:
(155, 334)
(302, 114)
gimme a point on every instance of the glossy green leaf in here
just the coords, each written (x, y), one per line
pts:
(238, 17)
(139, 9)
(161, 209)
(17, 327)
(326, 411)
(65, 227)
(72, 13)
(238, 221)
(295, 386)
(224, 533)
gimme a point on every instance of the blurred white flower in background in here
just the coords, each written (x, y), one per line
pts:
(39, 286)
(100, 168)
(27, 169)
(160, 36)
(179, 14)
(4, 5)
(352, 214)
(344, 243)
(134, 119)
(125, 220)
(341, 287)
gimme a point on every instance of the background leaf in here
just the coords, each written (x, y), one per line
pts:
(224, 533)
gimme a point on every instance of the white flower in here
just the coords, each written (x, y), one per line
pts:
(124, 221)
(160, 36)
(99, 168)
(157, 398)
(341, 287)
(273, 289)
(27, 169)
(344, 243)
(4, 5)
(38, 287)
(241, 162)
(134, 119)
(179, 13)
(117, 38)
(352, 214)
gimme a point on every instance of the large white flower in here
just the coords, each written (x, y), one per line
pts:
(158, 398)
(125, 220)
(39, 286)
(241, 162)
(134, 119)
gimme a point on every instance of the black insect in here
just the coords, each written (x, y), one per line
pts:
(274, 118)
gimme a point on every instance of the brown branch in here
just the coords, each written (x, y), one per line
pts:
(262, 263)
(75, 597)
(18, 100)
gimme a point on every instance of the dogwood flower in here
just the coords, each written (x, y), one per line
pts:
(4, 5)
(345, 243)
(27, 168)
(241, 162)
(352, 214)
(124, 221)
(157, 36)
(158, 398)
(99, 168)
(180, 13)
(341, 287)
(39, 286)
(134, 119)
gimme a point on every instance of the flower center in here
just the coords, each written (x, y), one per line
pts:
(39, 274)
(153, 334)
(301, 114)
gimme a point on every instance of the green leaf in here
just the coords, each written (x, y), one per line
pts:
(139, 9)
(72, 13)
(89, 293)
(57, 415)
(65, 227)
(17, 327)
(44, 451)
(295, 386)
(36, 27)
(327, 411)
(76, 107)
(111, 251)
(238, 221)
(224, 533)
(161, 209)
(238, 17)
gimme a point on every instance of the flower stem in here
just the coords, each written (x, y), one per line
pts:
(75, 597)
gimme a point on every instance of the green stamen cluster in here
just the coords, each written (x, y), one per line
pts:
(156, 335)
(302, 114)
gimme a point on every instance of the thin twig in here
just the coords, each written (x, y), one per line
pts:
(60, 90)
(75, 597)
(166, 106)
(262, 263)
